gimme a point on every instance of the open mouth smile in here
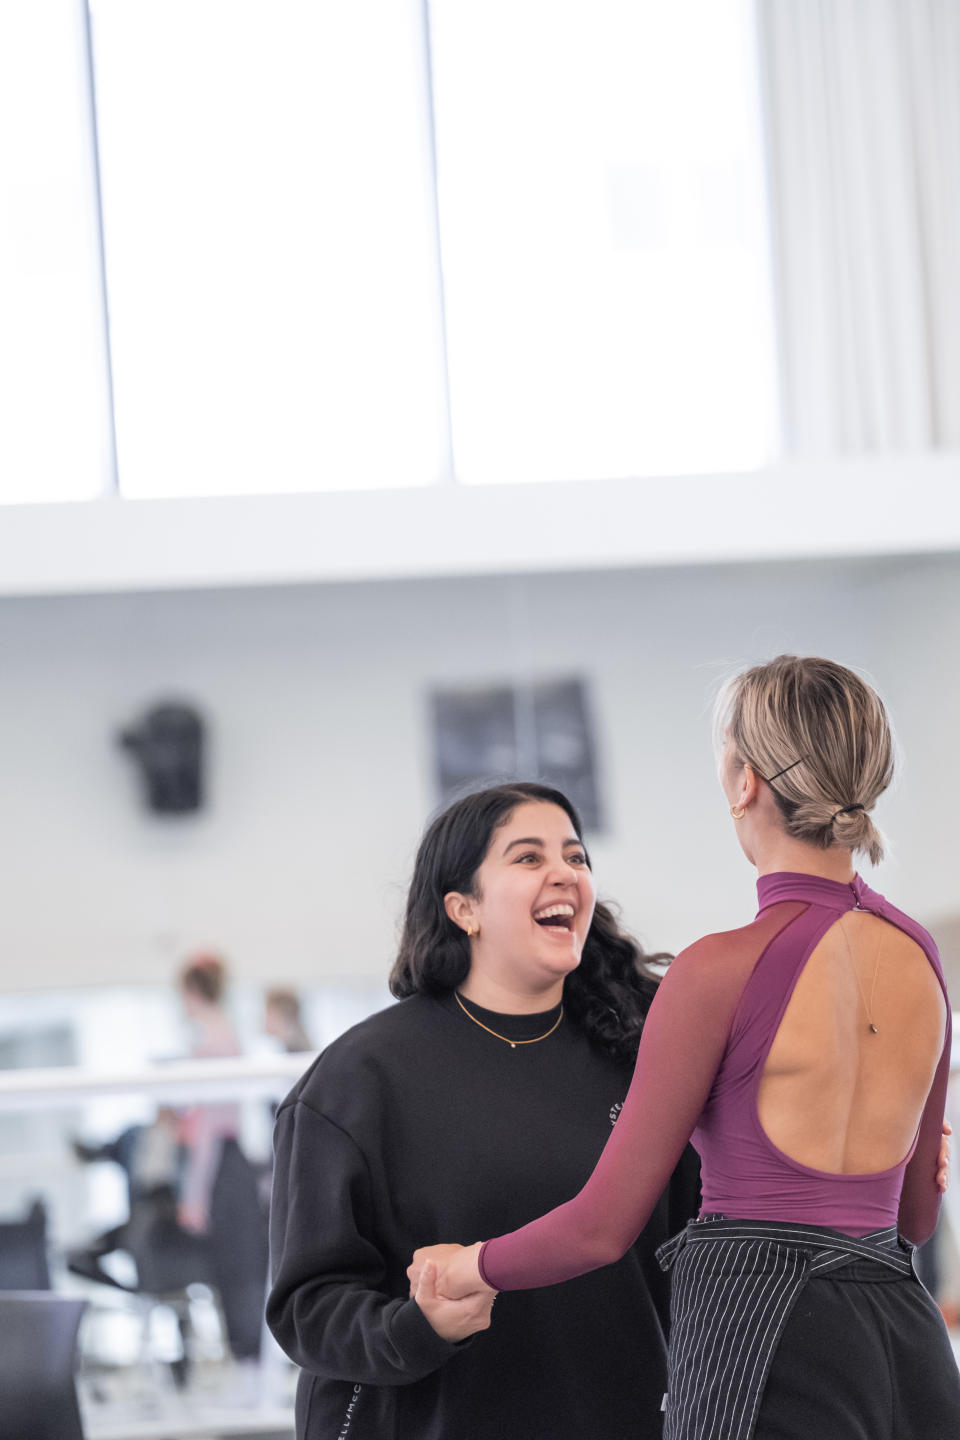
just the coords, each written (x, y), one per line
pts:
(558, 919)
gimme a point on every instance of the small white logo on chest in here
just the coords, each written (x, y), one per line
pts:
(615, 1112)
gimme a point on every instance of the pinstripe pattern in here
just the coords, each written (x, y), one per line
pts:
(734, 1285)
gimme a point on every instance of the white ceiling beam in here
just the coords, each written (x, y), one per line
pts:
(852, 507)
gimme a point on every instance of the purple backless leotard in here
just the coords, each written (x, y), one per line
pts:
(698, 1072)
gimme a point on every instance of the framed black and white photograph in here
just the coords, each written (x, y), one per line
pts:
(539, 731)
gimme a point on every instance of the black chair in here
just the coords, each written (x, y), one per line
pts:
(38, 1392)
(168, 1259)
(23, 1252)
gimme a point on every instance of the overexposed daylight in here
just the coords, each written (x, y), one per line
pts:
(397, 399)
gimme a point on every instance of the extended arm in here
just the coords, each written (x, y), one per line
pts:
(683, 1042)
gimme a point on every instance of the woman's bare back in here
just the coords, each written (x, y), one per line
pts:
(835, 1095)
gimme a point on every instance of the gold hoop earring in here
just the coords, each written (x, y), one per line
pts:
(471, 932)
(737, 811)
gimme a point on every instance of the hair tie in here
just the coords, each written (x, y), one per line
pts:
(846, 811)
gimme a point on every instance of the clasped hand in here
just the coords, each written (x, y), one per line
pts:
(445, 1282)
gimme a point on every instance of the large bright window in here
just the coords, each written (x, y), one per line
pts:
(285, 312)
(269, 221)
(55, 439)
(601, 220)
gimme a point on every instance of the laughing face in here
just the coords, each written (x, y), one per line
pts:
(533, 899)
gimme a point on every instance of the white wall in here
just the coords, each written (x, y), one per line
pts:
(321, 765)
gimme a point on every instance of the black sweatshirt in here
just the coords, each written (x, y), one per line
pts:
(415, 1127)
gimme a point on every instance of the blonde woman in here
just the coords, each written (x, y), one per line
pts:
(807, 1056)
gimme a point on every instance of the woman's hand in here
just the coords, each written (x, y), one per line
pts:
(452, 1319)
(943, 1160)
(439, 1254)
(458, 1270)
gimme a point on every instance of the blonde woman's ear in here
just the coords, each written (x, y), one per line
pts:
(751, 784)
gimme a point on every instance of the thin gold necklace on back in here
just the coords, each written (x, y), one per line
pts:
(856, 973)
(505, 1038)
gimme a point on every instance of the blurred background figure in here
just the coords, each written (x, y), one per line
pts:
(282, 1020)
(219, 1194)
(195, 1213)
(205, 1129)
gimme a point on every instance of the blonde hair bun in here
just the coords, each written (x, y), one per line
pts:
(822, 734)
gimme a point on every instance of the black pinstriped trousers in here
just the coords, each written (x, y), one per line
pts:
(791, 1332)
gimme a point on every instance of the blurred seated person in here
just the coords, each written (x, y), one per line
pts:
(282, 1020)
(150, 1157)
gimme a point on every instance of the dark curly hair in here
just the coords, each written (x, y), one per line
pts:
(609, 993)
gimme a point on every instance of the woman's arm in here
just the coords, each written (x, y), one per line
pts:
(682, 1046)
(328, 1306)
(203, 1144)
(684, 1038)
(922, 1183)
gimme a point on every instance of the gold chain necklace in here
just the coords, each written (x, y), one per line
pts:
(856, 975)
(512, 1043)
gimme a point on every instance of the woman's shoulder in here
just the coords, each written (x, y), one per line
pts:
(720, 961)
(909, 925)
(371, 1050)
(722, 945)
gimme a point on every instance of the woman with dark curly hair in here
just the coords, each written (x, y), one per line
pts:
(484, 1097)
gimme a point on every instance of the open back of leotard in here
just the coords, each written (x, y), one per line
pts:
(698, 1075)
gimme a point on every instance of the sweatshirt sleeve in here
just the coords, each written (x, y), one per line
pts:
(328, 1305)
(681, 1048)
